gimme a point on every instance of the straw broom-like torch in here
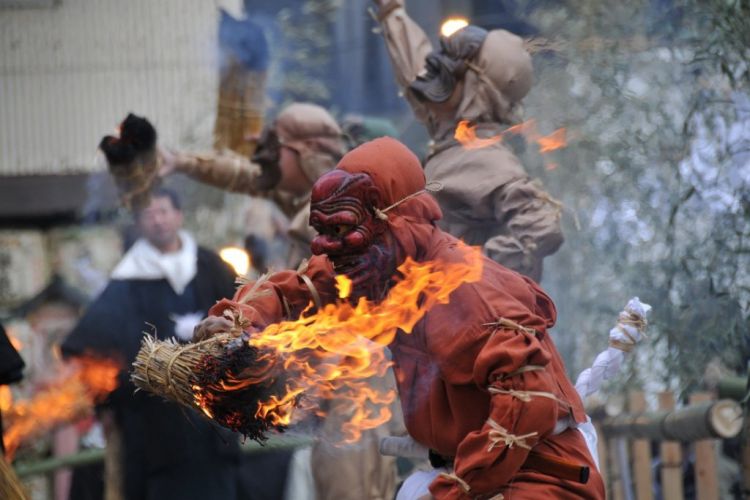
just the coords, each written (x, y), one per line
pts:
(133, 160)
(223, 377)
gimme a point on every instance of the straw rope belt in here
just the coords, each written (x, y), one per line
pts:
(500, 434)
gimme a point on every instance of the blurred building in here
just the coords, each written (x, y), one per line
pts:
(70, 70)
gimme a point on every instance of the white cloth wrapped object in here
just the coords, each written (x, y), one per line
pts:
(629, 331)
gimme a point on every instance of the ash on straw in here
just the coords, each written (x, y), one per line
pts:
(223, 377)
(137, 136)
(133, 160)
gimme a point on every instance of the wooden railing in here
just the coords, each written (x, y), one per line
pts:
(626, 442)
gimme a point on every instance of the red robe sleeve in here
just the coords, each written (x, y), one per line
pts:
(282, 295)
(513, 367)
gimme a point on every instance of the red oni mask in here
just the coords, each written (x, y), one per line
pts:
(356, 241)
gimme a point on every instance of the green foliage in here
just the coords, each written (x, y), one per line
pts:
(655, 177)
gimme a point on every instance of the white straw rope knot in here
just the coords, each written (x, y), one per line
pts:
(500, 434)
(430, 187)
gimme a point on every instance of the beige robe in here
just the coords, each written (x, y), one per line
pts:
(487, 198)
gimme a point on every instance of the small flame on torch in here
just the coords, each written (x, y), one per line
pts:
(343, 285)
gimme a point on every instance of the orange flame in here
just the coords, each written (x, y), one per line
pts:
(333, 352)
(15, 342)
(466, 135)
(555, 140)
(80, 383)
(6, 398)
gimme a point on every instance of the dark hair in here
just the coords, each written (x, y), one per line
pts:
(164, 192)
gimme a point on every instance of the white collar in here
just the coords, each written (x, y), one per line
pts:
(145, 261)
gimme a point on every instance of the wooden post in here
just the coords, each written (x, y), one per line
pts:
(641, 452)
(616, 486)
(706, 477)
(746, 455)
(671, 458)
(601, 449)
(745, 440)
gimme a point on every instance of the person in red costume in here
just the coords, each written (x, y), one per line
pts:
(480, 380)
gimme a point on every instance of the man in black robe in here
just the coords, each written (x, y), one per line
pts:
(163, 285)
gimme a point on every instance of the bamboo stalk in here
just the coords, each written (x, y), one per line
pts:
(96, 455)
(718, 419)
(732, 388)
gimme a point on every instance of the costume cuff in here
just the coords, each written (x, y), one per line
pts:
(388, 9)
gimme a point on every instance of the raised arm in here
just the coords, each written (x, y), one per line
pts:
(407, 44)
(225, 169)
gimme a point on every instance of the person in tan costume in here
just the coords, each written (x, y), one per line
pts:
(303, 143)
(487, 197)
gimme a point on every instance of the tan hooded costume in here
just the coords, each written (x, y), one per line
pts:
(338, 472)
(487, 197)
(309, 130)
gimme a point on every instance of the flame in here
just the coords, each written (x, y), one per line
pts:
(466, 134)
(80, 383)
(236, 257)
(555, 140)
(330, 355)
(15, 342)
(6, 398)
(453, 24)
(343, 285)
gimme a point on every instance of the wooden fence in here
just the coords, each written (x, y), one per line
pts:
(627, 442)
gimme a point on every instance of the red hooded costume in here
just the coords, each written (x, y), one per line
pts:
(479, 378)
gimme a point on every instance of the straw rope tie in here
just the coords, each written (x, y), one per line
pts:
(174, 357)
(523, 369)
(460, 482)
(628, 319)
(621, 346)
(147, 367)
(524, 396)
(430, 187)
(313, 291)
(511, 325)
(500, 434)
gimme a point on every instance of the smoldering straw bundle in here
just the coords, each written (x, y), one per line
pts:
(223, 377)
(133, 160)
